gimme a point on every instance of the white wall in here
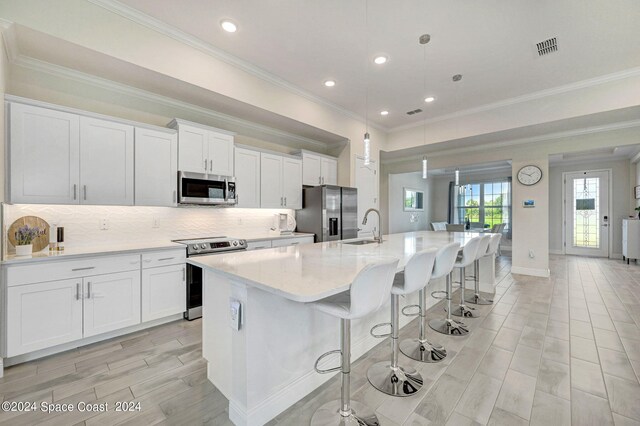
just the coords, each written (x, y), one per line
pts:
(400, 220)
(133, 223)
(621, 200)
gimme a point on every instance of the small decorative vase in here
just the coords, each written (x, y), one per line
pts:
(24, 250)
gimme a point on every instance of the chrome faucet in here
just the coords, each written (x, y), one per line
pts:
(378, 239)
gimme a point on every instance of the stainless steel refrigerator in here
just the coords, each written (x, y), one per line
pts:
(330, 212)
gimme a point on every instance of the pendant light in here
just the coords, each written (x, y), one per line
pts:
(423, 40)
(367, 138)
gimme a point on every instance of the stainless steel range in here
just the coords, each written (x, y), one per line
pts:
(200, 247)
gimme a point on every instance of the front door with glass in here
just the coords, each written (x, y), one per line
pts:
(587, 219)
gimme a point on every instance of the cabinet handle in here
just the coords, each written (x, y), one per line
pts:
(184, 274)
(294, 244)
(77, 291)
(210, 165)
(165, 258)
(83, 269)
(147, 260)
(319, 179)
(175, 196)
(281, 203)
(89, 290)
(85, 191)
(323, 179)
(135, 262)
(285, 201)
(75, 191)
(205, 164)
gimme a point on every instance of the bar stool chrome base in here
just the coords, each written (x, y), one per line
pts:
(397, 381)
(449, 327)
(422, 350)
(463, 311)
(476, 299)
(330, 415)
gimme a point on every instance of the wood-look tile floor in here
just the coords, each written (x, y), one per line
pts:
(557, 351)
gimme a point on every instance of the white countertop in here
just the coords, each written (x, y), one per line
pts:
(310, 272)
(87, 251)
(271, 235)
(71, 252)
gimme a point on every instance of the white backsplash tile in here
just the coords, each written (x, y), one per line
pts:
(131, 223)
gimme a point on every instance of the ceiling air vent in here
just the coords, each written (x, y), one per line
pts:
(415, 111)
(548, 46)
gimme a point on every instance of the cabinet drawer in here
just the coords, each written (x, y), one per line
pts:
(291, 241)
(163, 258)
(51, 271)
(257, 245)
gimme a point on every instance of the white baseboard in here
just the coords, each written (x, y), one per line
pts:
(530, 271)
(615, 256)
(19, 359)
(556, 251)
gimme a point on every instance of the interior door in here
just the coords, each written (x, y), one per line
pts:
(587, 217)
(367, 185)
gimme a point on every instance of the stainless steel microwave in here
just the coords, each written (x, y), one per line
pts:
(199, 188)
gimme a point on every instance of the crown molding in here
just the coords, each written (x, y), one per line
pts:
(583, 84)
(161, 27)
(522, 141)
(74, 75)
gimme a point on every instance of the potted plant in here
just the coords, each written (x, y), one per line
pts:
(24, 239)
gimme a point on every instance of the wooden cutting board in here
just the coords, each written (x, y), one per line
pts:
(40, 242)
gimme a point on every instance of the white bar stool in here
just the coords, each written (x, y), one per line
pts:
(477, 299)
(389, 377)
(421, 349)
(367, 293)
(472, 251)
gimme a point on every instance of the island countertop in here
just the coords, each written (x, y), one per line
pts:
(310, 272)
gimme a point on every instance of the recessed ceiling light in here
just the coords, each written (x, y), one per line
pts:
(380, 59)
(228, 26)
(384, 112)
(429, 99)
(329, 83)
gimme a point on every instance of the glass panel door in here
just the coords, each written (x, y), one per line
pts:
(586, 213)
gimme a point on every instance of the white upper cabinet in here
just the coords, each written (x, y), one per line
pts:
(220, 154)
(271, 181)
(329, 171)
(280, 182)
(44, 148)
(318, 170)
(106, 162)
(312, 170)
(156, 167)
(247, 168)
(203, 150)
(292, 183)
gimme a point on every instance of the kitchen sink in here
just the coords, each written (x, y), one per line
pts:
(360, 242)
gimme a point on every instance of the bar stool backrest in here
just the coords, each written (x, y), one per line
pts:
(469, 252)
(371, 288)
(417, 272)
(494, 242)
(445, 258)
(483, 246)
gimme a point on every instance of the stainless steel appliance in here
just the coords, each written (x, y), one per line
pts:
(200, 247)
(199, 188)
(330, 212)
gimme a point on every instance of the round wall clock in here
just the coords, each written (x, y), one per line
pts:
(529, 175)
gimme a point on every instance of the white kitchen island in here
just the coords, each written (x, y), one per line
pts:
(267, 365)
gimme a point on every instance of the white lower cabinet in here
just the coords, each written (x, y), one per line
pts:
(163, 291)
(43, 315)
(88, 297)
(111, 302)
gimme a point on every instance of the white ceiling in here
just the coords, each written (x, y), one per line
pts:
(490, 42)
